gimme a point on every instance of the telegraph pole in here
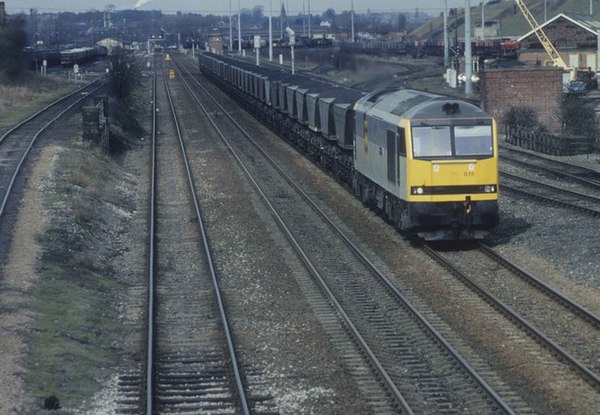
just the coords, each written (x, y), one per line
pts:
(446, 46)
(270, 30)
(483, 20)
(468, 54)
(230, 30)
(352, 18)
(239, 28)
(598, 56)
(309, 35)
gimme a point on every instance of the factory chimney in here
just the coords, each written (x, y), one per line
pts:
(2, 14)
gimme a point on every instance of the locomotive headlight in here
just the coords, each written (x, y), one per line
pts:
(419, 190)
(489, 189)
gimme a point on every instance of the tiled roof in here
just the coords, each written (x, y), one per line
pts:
(587, 22)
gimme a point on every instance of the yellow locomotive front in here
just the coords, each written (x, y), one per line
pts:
(452, 175)
(430, 163)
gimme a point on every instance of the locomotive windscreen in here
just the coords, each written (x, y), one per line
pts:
(432, 142)
(452, 141)
(473, 140)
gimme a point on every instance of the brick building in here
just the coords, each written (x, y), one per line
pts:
(215, 42)
(111, 43)
(574, 36)
(538, 88)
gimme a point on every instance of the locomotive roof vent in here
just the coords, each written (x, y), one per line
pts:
(451, 109)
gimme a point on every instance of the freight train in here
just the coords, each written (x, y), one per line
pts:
(490, 48)
(70, 57)
(427, 163)
(36, 57)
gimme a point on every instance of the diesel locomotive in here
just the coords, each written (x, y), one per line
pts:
(428, 163)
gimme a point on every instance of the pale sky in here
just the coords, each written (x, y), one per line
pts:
(222, 6)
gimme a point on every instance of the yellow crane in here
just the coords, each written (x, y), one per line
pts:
(539, 32)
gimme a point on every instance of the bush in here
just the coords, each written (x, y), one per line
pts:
(12, 41)
(521, 117)
(125, 74)
(578, 117)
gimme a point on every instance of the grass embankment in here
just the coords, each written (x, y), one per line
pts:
(18, 101)
(74, 347)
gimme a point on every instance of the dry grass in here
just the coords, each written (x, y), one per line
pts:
(18, 100)
(13, 96)
(87, 176)
(83, 210)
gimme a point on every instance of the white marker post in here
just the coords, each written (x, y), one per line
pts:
(292, 42)
(257, 48)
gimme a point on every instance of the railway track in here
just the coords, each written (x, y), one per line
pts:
(550, 166)
(555, 195)
(550, 181)
(191, 364)
(573, 333)
(16, 144)
(395, 338)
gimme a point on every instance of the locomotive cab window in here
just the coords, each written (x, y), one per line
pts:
(473, 140)
(432, 141)
(401, 142)
(438, 142)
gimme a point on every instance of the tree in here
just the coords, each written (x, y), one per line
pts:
(401, 22)
(257, 14)
(521, 117)
(578, 117)
(12, 41)
(329, 15)
(125, 74)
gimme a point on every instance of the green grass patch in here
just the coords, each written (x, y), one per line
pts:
(72, 347)
(18, 102)
(71, 341)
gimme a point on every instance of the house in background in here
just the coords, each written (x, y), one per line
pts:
(491, 29)
(574, 36)
(111, 43)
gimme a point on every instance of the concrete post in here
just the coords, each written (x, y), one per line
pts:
(468, 54)
(2, 14)
(446, 45)
(598, 57)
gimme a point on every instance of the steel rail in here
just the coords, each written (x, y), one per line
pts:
(151, 258)
(586, 374)
(32, 116)
(372, 266)
(533, 280)
(223, 314)
(573, 176)
(34, 139)
(308, 263)
(551, 187)
(560, 203)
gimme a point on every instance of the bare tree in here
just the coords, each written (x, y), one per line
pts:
(12, 41)
(125, 74)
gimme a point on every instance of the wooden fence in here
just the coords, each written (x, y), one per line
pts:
(546, 143)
